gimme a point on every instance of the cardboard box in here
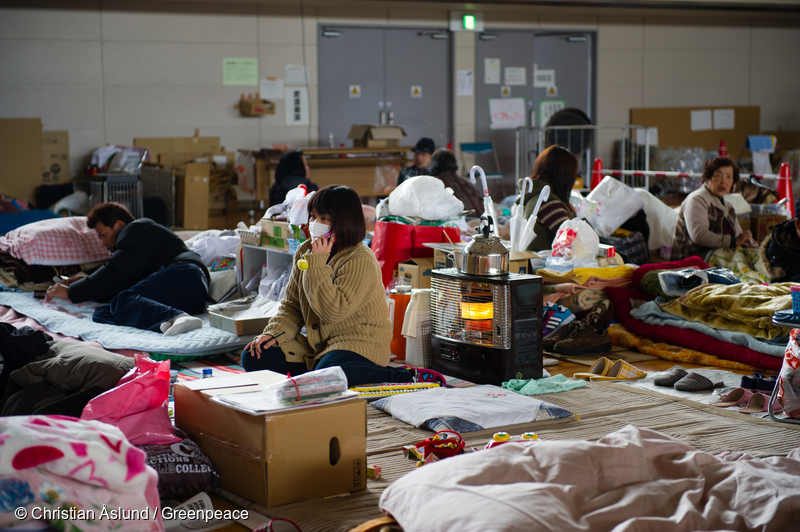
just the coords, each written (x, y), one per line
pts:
(277, 234)
(21, 156)
(365, 136)
(761, 224)
(255, 107)
(191, 185)
(224, 319)
(277, 458)
(520, 261)
(177, 151)
(417, 272)
(55, 157)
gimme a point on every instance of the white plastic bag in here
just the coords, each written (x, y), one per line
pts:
(424, 197)
(575, 246)
(616, 203)
(298, 212)
(789, 380)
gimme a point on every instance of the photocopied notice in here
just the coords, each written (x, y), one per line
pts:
(296, 106)
(507, 113)
(295, 75)
(491, 71)
(701, 120)
(242, 71)
(465, 82)
(514, 76)
(724, 118)
(271, 89)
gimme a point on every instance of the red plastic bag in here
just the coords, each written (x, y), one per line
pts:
(137, 405)
(394, 243)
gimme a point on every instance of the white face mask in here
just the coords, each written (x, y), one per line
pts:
(317, 229)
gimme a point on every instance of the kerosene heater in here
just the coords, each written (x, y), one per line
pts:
(486, 322)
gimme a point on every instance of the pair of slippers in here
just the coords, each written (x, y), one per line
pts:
(757, 382)
(682, 380)
(756, 402)
(604, 370)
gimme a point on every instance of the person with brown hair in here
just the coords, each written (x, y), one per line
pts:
(151, 280)
(336, 294)
(557, 168)
(445, 168)
(705, 221)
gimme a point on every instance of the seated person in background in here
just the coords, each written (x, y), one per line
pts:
(705, 221)
(445, 168)
(422, 158)
(557, 167)
(291, 172)
(151, 281)
(780, 250)
(335, 291)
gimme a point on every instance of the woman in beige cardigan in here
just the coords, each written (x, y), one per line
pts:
(335, 291)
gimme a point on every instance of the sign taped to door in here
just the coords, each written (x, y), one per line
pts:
(506, 113)
(355, 91)
(416, 91)
(491, 71)
(548, 108)
(543, 78)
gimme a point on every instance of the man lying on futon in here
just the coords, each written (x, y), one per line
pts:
(151, 281)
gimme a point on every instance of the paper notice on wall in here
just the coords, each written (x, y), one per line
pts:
(700, 120)
(296, 106)
(465, 82)
(507, 113)
(647, 136)
(241, 71)
(296, 75)
(548, 108)
(514, 76)
(491, 71)
(724, 118)
(544, 78)
(271, 89)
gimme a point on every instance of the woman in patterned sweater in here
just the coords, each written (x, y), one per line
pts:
(557, 168)
(336, 293)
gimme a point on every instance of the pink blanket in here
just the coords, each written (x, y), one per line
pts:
(631, 480)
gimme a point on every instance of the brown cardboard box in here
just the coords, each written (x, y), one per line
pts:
(255, 107)
(277, 458)
(21, 156)
(417, 272)
(761, 224)
(55, 157)
(520, 261)
(191, 185)
(177, 151)
(365, 136)
(277, 234)
(223, 318)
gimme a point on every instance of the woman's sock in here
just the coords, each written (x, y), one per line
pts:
(183, 323)
(166, 325)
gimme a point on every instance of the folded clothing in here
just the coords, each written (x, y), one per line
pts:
(557, 383)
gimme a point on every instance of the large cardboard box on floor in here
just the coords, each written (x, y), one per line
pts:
(55, 157)
(365, 136)
(191, 184)
(520, 261)
(20, 157)
(277, 458)
(417, 272)
(177, 151)
(761, 224)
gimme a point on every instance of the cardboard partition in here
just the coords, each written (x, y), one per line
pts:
(281, 457)
(675, 126)
(177, 151)
(55, 158)
(367, 136)
(21, 156)
(417, 272)
(191, 185)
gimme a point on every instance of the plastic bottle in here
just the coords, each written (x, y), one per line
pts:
(207, 373)
(331, 144)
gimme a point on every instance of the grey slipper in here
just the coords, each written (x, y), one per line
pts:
(672, 376)
(694, 382)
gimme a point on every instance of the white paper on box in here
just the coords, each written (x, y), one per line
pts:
(649, 136)
(507, 113)
(296, 106)
(465, 82)
(701, 120)
(295, 75)
(271, 89)
(724, 118)
(514, 76)
(212, 384)
(491, 71)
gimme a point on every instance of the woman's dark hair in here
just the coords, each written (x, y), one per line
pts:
(443, 160)
(557, 167)
(712, 165)
(107, 214)
(290, 163)
(343, 205)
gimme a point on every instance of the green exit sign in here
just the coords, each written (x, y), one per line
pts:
(468, 22)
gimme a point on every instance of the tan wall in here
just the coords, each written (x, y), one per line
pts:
(109, 71)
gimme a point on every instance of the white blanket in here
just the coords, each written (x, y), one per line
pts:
(631, 480)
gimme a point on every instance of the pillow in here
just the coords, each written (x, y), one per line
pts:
(55, 242)
(468, 409)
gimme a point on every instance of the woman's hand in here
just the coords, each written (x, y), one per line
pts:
(746, 240)
(259, 343)
(73, 279)
(322, 244)
(58, 291)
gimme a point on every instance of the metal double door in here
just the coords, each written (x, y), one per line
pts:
(566, 56)
(397, 76)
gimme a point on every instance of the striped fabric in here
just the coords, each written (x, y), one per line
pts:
(552, 214)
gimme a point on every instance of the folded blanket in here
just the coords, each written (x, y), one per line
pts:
(743, 262)
(746, 308)
(613, 276)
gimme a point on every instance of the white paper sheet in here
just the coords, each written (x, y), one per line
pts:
(724, 118)
(465, 82)
(548, 108)
(295, 75)
(514, 76)
(228, 382)
(271, 89)
(491, 71)
(701, 120)
(507, 113)
(296, 106)
(544, 78)
(649, 135)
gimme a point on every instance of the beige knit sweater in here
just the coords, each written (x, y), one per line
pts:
(342, 304)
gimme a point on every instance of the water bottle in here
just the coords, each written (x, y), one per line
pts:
(330, 141)
(207, 373)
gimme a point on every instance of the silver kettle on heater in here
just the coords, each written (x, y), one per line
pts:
(486, 254)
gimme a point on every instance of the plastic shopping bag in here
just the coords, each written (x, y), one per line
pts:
(789, 380)
(138, 404)
(615, 203)
(576, 245)
(424, 197)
